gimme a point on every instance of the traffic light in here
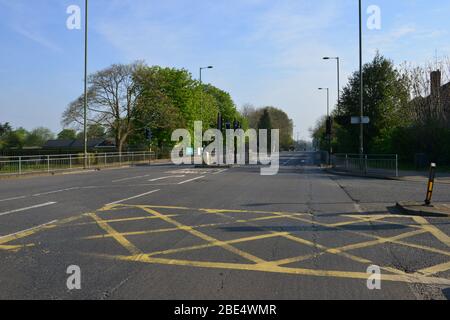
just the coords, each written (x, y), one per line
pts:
(148, 134)
(219, 122)
(329, 126)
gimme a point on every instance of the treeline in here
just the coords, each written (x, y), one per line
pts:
(20, 138)
(406, 118)
(125, 101)
(128, 99)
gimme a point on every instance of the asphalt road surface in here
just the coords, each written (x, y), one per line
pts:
(168, 232)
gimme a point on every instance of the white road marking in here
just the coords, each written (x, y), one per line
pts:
(31, 229)
(56, 191)
(28, 208)
(11, 199)
(164, 178)
(134, 197)
(190, 180)
(132, 178)
(220, 171)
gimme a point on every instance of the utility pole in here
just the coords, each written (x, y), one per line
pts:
(85, 84)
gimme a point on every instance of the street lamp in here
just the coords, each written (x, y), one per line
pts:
(328, 126)
(361, 93)
(338, 76)
(201, 89)
(85, 84)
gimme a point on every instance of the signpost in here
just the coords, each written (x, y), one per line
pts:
(357, 120)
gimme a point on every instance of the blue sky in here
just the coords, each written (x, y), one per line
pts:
(264, 52)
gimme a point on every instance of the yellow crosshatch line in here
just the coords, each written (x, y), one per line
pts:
(421, 226)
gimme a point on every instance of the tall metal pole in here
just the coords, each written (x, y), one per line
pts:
(201, 96)
(85, 84)
(361, 134)
(338, 79)
(329, 121)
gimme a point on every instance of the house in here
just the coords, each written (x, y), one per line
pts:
(437, 104)
(94, 145)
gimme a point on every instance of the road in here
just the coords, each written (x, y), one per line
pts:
(167, 232)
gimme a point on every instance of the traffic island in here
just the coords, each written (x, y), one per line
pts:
(421, 209)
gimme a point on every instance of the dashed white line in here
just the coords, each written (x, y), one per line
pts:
(134, 197)
(56, 191)
(164, 178)
(11, 199)
(132, 178)
(220, 171)
(190, 180)
(27, 208)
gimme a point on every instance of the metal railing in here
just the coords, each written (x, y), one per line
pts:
(370, 165)
(19, 165)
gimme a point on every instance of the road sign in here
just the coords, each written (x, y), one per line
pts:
(357, 120)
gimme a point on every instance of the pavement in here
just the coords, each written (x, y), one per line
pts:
(168, 232)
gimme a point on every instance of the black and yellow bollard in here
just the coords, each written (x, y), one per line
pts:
(430, 187)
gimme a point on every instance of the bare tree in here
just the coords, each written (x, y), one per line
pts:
(112, 100)
(422, 107)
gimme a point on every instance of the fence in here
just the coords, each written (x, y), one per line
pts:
(53, 163)
(370, 165)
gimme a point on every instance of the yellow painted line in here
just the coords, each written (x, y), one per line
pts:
(123, 220)
(435, 269)
(117, 236)
(438, 234)
(380, 240)
(183, 228)
(26, 233)
(411, 245)
(15, 248)
(217, 244)
(281, 270)
(206, 237)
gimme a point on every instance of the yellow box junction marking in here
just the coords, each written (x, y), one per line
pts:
(257, 264)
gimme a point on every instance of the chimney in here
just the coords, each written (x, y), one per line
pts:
(435, 80)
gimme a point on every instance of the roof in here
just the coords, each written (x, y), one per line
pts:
(78, 144)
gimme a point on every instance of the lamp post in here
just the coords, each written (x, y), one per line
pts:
(328, 123)
(85, 84)
(201, 90)
(361, 93)
(338, 76)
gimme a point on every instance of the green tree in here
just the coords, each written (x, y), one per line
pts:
(67, 134)
(385, 99)
(38, 137)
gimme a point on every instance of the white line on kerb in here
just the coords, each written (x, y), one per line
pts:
(134, 197)
(11, 199)
(31, 229)
(190, 180)
(28, 208)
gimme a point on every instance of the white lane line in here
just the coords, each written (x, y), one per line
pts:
(132, 178)
(134, 197)
(220, 171)
(11, 199)
(28, 208)
(31, 229)
(164, 178)
(190, 180)
(56, 191)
